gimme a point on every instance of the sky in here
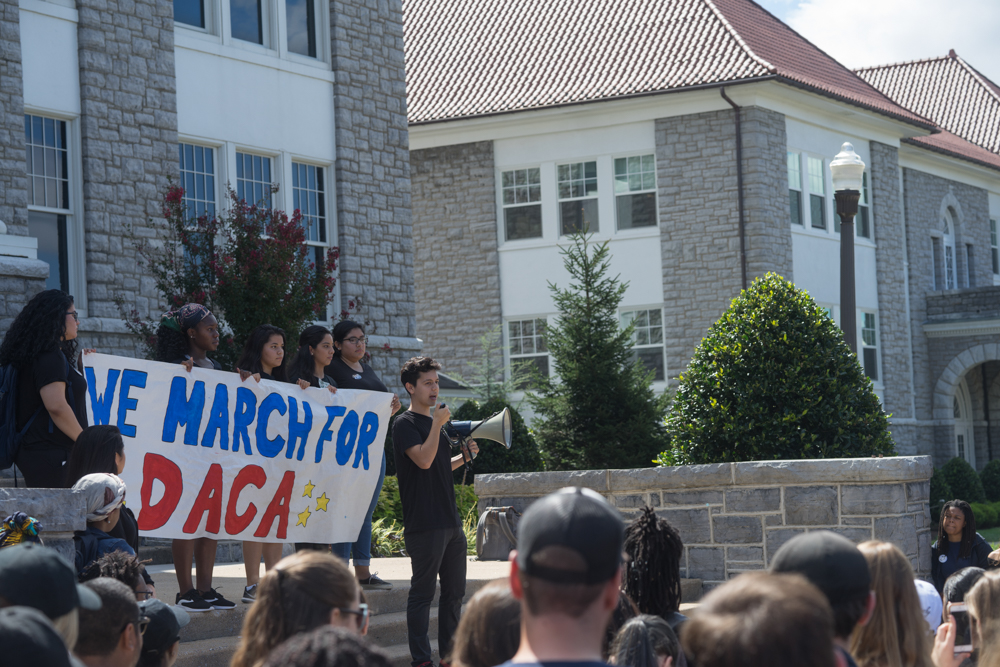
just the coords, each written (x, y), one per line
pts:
(859, 33)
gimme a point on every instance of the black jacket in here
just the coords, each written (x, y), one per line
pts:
(980, 557)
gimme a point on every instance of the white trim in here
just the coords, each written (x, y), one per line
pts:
(983, 327)
(196, 40)
(58, 9)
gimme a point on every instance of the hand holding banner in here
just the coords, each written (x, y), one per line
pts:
(209, 455)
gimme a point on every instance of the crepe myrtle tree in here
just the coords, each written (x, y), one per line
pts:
(249, 265)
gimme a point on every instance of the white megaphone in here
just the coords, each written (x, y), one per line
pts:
(496, 428)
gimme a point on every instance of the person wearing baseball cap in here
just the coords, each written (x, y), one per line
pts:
(27, 637)
(35, 576)
(162, 639)
(837, 567)
(566, 572)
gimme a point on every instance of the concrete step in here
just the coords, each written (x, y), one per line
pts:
(216, 652)
(390, 629)
(399, 654)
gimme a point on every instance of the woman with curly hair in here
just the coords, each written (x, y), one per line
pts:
(51, 407)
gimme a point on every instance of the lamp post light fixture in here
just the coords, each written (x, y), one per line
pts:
(847, 170)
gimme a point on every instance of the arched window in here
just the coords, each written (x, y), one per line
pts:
(948, 229)
(965, 446)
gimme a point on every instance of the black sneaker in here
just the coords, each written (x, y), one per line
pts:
(250, 593)
(212, 597)
(192, 601)
(374, 583)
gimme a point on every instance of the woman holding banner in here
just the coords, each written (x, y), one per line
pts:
(263, 358)
(350, 371)
(186, 336)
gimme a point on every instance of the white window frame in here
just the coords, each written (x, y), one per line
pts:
(948, 244)
(214, 20)
(864, 205)
(322, 19)
(217, 156)
(268, 21)
(661, 346)
(795, 183)
(864, 344)
(511, 358)
(277, 171)
(287, 162)
(629, 192)
(596, 197)
(502, 218)
(812, 160)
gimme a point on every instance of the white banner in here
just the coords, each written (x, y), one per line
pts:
(208, 455)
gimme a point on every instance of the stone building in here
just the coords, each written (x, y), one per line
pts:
(103, 102)
(695, 137)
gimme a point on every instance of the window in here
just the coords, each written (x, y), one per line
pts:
(526, 345)
(198, 179)
(817, 190)
(635, 191)
(863, 226)
(795, 187)
(994, 251)
(647, 339)
(309, 198)
(190, 12)
(522, 209)
(247, 20)
(578, 198)
(300, 18)
(47, 154)
(948, 229)
(253, 179)
(869, 345)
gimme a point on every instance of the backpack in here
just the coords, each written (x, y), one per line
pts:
(10, 436)
(496, 534)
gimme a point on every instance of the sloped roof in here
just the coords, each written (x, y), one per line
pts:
(467, 58)
(946, 90)
(954, 145)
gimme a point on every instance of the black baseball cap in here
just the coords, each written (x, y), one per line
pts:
(28, 638)
(830, 561)
(37, 576)
(576, 519)
(165, 623)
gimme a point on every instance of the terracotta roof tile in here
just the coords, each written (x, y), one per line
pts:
(954, 145)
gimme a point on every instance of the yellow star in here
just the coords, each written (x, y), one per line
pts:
(321, 502)
(308, 492)
(303, 517)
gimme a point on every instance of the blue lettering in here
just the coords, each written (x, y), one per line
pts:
(296, 430)
(130, 379)
(182, 411)
(218, 419)
(246, 407)
(269, 448)
(102, 402)
(369, 429)
(347, 435)
(326, 435)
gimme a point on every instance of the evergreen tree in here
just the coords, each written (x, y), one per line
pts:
(602, 411)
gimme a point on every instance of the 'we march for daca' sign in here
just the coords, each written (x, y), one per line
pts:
(209, 455)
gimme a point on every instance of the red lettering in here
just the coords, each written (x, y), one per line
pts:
(159, 467)
(209, 500)
(237, 523)
(278, 508)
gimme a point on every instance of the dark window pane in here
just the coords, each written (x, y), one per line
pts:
(652, 359)
(577, 217)
(795, 206)
(50, 230)
(817, 211)
(246, 20)
(301, 20)
(636, 210)
(523, 222)
(863, 225)
(191, 12)
(870, 357)
(996, 260)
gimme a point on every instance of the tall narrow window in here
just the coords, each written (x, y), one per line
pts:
(526, 345)
(869, 345)
(300, 18)
(817, 193)
(948, 228)
(49, 212)
(190, 12)
(994, 250)
(795, 187)
(635, 191)
(521, 191)
(647, 339)
(309, 198)
(863, 227)
(253, 179)
(197, 170)
(578, 198)
(247, 20)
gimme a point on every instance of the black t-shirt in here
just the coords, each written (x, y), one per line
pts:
(216, 366)
(50, 366)
(348, 378)
(428, 496)
(554, 663)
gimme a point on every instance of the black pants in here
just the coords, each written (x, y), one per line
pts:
(43, 468)
(433, 553)
(311, 546)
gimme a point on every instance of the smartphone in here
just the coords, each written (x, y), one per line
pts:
(963, 627)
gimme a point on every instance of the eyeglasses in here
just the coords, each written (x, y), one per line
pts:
(361, 612)
(356, 340)
(76, 315)
(143, 624)
(143, 595)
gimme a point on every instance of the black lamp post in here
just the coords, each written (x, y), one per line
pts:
(847, 170)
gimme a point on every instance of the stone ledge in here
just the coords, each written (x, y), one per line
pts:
(59, 510)
(818, 471)
(672, 477)
(22, 267)
(539, 483)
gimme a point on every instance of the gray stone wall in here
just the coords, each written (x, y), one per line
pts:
(129, 143)
(13, 162)
(733, 517)
(60, 511)
(372, 166)
(965, 304)
(699, 217)
(457, 270)
(20, 279)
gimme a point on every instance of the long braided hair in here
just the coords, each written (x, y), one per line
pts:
(653, 574)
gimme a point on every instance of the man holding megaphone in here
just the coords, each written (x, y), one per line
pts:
(432, 529)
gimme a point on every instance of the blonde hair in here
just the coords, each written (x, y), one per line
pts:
(298, 595)
(983, 601)
(896, 635)
(68, 627)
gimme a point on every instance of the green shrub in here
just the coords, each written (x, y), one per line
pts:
(523, 455)
(774, 379)
(986, 516)
(990, 478)
(387, 520)
(963, 481)
(389, 506)
(940, 494)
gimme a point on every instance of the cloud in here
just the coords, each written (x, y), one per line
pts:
(875, 32)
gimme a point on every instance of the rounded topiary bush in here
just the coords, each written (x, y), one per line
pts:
(990, 478)
(940, 494)
(963, 481)
(774, 379)
(523, 454)
(986, 516)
